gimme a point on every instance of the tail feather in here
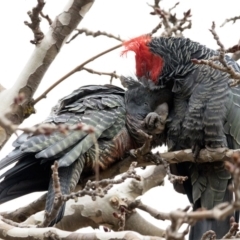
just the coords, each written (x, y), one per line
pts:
(68, 177)
(219, 227)
(13, 157)
(33, 178)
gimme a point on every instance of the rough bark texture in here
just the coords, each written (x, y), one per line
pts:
(86, 212)
(39, 62)
(11, 233)
(205, 155)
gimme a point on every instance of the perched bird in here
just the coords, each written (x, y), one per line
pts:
(114, 114)
(205, 114)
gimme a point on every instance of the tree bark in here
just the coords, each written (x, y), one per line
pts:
(38, 64)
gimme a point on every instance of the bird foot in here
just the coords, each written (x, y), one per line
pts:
(153, 123)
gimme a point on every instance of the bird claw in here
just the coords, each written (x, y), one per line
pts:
(154, 123)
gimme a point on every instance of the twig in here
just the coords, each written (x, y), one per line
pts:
(46, 17)
(172, 232)
(121, 216)
(233, 19)
(209, 235)
(35, 22)
(155, 29)
(171, 177)
(170, 9)
(112, 75)
(233, 229)
(93, 189)
(100, 188)
(153, 212)
(172, 25)
(224, 67)
(93, 34)
(76, 69)
(48, 129)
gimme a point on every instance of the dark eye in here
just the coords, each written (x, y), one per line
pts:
(146, 104)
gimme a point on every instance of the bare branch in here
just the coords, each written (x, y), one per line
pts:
(35, 22)
(112, 75)
(233, 19)
(173, 26)
(233, 230)
(155, 29)
(92, 189)
(205, 155)
(223, 66)
(100, 188)
(153, 212)
(21, 214)
(46, 17)
(171, 177)
(9, 232)
(209, 235)
(86, 212)
(76, 69)
(172, 231)
(93, 34)
(228, 69)
(39, 62)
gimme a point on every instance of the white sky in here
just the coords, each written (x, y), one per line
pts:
(126, 18)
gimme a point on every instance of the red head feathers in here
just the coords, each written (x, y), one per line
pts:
(146, 61)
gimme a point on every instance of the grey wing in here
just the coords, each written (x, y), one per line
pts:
(97, 107)
(205, 113)
(232, 122)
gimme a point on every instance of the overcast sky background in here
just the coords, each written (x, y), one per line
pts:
(126, 18)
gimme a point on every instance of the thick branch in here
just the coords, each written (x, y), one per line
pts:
(9, 232)
(100, 212)
(41, 59)
(205, 155)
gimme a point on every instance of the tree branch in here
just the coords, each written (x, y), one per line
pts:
(9, 232)
(76, 69)
(94, 213)
(173, 26)
(35, 22)
(224, 67)
(93, 34)
(233, 19)
(39, 62)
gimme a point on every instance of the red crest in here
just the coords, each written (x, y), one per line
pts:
(146, 61)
